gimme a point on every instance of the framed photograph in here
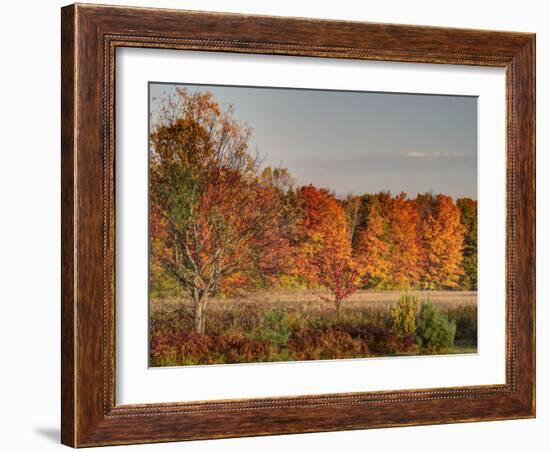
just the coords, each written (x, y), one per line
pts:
(281, 225)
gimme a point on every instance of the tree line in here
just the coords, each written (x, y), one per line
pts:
(220, 222)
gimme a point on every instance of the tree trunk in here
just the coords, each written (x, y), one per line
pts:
(203, 316)
(199, 318)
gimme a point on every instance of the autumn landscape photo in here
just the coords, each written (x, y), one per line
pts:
(293, 224)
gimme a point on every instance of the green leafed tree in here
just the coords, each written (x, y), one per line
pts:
(468, 218)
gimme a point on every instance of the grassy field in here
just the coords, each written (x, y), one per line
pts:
(310, 299)
(290, 325)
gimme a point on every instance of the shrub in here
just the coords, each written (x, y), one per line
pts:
(434, 332)
(316, 343)
(395, 344)
(274, 328)
(403, 316)
(190, 349)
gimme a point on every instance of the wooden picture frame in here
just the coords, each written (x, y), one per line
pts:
(90, 35)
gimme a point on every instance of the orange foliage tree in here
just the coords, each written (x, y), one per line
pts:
(428, 242)
(214, 224)
(442, 236)
(325, 253)
(405, 253)
(372, 248)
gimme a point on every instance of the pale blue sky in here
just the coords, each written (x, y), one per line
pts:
(359, 142)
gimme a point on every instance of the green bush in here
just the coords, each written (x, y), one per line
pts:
(403, 316)
(434, 332)
(275, 327)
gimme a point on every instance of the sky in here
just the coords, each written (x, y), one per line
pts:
(359, 142)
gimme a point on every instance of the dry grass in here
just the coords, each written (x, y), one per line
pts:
(310, 300)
